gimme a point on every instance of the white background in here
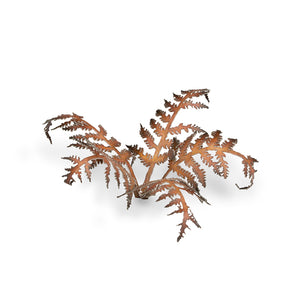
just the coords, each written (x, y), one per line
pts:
(114, 62)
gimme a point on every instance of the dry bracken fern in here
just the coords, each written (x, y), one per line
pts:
(184, 172)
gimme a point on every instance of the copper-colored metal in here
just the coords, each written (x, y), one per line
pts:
(179, 155)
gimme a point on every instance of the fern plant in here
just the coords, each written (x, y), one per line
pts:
(184, 173)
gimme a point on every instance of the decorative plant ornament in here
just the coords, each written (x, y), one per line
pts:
(184, 173)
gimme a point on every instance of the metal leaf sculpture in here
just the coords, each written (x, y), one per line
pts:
(184, 173)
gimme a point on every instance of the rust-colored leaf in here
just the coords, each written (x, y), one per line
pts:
(163, 116)
(183, 157)
(148, 137)
(157, 127)
(186, 128)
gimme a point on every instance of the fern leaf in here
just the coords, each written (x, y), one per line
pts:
(117, 177)
(107, 173)
(207, 158)
(146, 158)
(78, 146)
(102, 130)
(133, 149)
(162, 197)
(48, 123)
(76, 125)
(196, 93)
(178, 211)
(150, 189)
(170, 106)
(103, 148)
(88, 171)
(162, 158)
(148, 138)
(245, 170)
(64, 124)
(229, 144)
(181, 172)
(73, 170)
(163, 116)
(183, 227)
(166, 143)
(128, 187)
(78, 137)
(95, 163)
(114, 143)
(193, 219)
(200, 173)
(177, 98)
(84, 143)
(123, 156)
(185, 144)
(222, 163)
(175, 201)
(192, 104)
(180, 127)
(215, 140)
(200, 141)
(175, 145)
(156, 126)
(248, 166)
(74, 159)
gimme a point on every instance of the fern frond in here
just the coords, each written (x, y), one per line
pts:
(249, 170)
(145, 158)
(200, 141)
(213, 155)
(181, 172)
(113, 142)
(170, 106)
(229, 144)
(162, 158)
(163, 116)
(177, 129)
(196, 105)
(101, 152)
(48, 123)
(200, 173)
(157, 127)
(76, 170)
(148, 138)
(179, 156)
(175, 145)
(177, 98)
(196, 93)
(215, 140)
(220, 155)
(185, 144)
(123, 157)
(107, 173)
(74, 159)
(87, 169)
(177, 199)
(102, 131)
(117, 177)
(207, 158)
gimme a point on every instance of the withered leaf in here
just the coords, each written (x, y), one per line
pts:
(178, 153)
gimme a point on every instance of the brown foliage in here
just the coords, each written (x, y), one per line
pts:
(179, 155)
